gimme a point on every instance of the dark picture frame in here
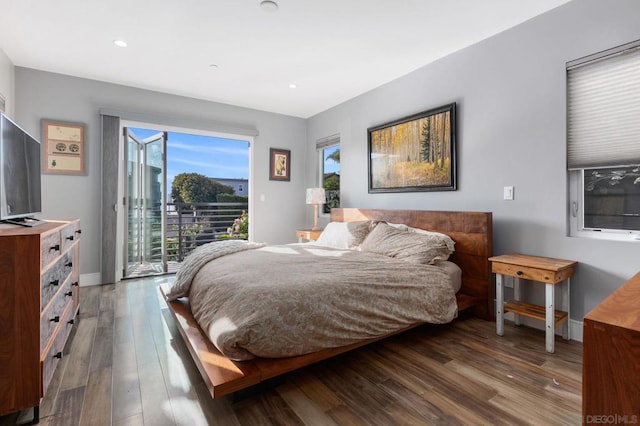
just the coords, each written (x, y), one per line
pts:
(63, 146)
(415, 153)
(279, 164)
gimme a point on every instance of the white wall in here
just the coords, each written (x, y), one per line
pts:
(54, 96)
(7, 77)
(510, 93)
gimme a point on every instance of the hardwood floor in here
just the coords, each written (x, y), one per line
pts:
(127, 365)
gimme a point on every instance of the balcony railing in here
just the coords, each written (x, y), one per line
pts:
(194, 224)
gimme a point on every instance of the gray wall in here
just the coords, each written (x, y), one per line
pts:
(46, 95)
(510, 91)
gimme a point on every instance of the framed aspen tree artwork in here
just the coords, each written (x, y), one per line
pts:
(415, 153)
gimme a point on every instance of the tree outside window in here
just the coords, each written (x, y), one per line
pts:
(331, 176)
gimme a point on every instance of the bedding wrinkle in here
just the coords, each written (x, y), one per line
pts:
(198, 258)
(280, 301)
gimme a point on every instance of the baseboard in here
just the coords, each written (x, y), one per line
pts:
(576, 330)
(575, 327)
(87, 280)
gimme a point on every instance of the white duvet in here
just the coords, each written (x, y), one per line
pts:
(280, 301)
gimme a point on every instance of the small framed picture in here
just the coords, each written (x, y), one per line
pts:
(280, 164)
(63, 145)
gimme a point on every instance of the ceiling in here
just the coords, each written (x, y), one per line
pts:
(234, 52)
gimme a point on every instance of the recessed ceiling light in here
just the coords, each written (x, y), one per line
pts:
(120, 43)
(268, 5)
(213, 66)
(292, 86)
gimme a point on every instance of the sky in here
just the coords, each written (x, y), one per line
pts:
(207, 155)
(330, 165)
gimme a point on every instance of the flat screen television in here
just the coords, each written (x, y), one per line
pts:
(20, 175)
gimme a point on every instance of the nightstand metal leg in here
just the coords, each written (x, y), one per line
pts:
(499, 305)
(550, 317)
(517, 295)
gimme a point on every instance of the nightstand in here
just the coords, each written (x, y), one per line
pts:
(545, 270)
(308, 234)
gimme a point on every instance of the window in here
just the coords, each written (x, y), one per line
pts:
(329, 158)
(612, 198)
(603, 143)
(240, 188)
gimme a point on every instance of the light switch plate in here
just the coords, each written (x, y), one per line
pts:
(508, 192)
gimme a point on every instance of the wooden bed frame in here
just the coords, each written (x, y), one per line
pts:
(472, 232)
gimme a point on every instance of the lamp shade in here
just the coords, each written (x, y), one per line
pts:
(316, 196)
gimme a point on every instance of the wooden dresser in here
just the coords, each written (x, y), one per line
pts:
(39, 299)
(611, 358)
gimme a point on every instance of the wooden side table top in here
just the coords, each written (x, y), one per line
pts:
(535, 268)
(308, 234)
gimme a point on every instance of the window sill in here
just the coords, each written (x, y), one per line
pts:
(607, 235)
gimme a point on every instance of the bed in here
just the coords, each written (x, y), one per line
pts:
(472, 233)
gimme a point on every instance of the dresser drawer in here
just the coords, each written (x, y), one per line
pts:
(70, 234)
(75, 288)
(55, 352)
(75, 278)
(52, 317)
(50, 248)
(55, 277)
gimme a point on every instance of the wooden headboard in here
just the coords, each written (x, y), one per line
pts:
(473, 234)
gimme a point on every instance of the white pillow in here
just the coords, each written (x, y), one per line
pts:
(344, 235)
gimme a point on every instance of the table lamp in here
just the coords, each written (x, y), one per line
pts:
(316, 197)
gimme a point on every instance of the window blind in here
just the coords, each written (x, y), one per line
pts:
(328, 141)
(603, 110)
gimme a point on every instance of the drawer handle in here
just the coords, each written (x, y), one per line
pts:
(79, 231)
(70, 264)
(519, 273)
(58, 355)
(70, 238)
(70, 322)
(55, 248)
(54, 283)
(69, 293)
(55, 319)
(75, 283)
